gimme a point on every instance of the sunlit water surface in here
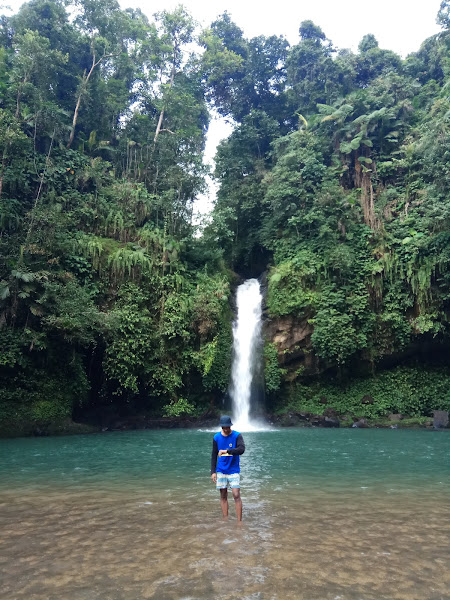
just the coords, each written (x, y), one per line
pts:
(328, 514)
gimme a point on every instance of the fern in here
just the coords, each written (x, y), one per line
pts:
(129, 262)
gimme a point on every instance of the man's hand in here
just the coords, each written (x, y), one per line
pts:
(214, 477)
(223, 452)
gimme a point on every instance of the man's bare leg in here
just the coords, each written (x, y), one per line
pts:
(224, 502)
(237, 503)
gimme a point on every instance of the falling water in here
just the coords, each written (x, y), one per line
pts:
(246, 350)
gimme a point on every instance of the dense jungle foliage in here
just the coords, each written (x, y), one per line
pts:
(335, 181)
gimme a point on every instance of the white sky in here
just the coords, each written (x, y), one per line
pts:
(399, 25)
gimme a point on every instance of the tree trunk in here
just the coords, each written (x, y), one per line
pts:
(172, 77)
(19, 93)
(367, 201)
(83, 87)
(1, 178)
(363, 181)
(19, 96)
(40, 187)
(158, 127)
(75, 114)
(2, 169)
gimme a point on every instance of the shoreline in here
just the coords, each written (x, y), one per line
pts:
(288, 419)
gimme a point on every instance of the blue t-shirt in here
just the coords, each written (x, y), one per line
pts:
(227, 464)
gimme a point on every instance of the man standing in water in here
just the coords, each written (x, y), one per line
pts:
(228, 445)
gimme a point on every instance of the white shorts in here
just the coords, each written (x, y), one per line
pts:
(223, 480)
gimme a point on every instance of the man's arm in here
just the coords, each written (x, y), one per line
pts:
(240, 446)
(215, 452)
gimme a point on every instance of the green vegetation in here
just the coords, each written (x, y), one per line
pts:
(335, 180)
(273, 374)
(107, 298)
(408, 391)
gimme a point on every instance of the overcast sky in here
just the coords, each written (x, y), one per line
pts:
(399, 25)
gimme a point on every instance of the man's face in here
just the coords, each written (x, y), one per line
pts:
(226, 430)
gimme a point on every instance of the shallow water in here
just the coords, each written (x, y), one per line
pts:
(328, 515)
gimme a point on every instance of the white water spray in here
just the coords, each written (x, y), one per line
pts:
(246, 348)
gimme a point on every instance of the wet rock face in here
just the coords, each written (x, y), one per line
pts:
(287, 332)
(292, 338)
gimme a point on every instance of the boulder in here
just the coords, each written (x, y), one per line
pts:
(289, 420)
(330, 412)
(304, 416)
(305, 419)
(322, 421)
(440, 419)
(331, 422)
(367, 400)
(395, 417)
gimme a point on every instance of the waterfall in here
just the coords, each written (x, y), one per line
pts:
(246, 351)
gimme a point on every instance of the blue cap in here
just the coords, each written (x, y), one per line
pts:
(225, 421)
